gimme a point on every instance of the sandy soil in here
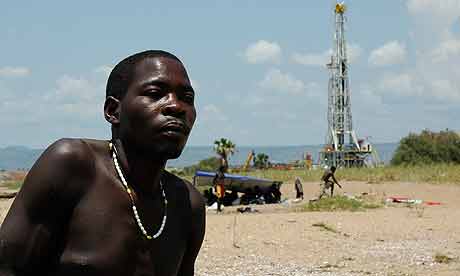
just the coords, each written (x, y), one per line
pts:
(395, 240)
(277, 240)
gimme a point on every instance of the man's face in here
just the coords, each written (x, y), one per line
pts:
(158, 111)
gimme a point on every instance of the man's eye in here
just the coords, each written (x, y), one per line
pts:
(151, 91)
(154, 93)
(189, 97)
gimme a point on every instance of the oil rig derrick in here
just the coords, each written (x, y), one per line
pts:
(342, 148)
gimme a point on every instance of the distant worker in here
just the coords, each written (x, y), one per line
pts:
(298, 188)
(276, 193)
(218, 183)
(328, 184)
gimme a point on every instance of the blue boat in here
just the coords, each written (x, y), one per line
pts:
(238, 183)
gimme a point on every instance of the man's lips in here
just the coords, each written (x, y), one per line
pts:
(176, 126)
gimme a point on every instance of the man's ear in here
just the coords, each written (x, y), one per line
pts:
(112, 110)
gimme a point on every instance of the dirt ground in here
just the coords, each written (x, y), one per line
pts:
(277, 240)
(396, 240)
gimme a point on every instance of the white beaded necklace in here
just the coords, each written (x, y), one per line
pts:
(130, 193)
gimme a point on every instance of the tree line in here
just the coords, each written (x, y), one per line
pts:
(428, 147)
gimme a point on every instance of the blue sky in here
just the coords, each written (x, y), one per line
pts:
(258, 67)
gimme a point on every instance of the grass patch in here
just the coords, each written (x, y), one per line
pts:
(325, 227)
(442, 259)
(338, 203)
(13, 184)
(435, 173)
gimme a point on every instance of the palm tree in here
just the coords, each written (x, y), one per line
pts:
(261, 161)
(224, 148)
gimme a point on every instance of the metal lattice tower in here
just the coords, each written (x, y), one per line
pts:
(342, 147)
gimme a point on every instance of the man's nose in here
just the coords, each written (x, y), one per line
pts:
(174, 107)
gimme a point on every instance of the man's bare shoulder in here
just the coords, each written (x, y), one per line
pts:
(74, 151)
(196, 199)
(63, 164)
(70, 156)
(57, 180)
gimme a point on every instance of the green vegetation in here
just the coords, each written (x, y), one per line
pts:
(338, 203)
(434, 173)
(428, 157)
(428, 148)
(224, 148)
(261, 161)
(442, 259)
(12, 184)
(210, 164)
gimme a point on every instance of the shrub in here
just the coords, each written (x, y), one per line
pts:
(338, 203)
(209, 164)
(428, 147)
(261, 161)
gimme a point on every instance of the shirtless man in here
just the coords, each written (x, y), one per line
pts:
(74, 215)
(218, 183)
(328, 184)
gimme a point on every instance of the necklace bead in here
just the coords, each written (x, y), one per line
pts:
(130, 194)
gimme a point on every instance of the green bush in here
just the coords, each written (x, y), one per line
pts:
(210, 164)
(261, 161)
(339, 203)
(427, 148)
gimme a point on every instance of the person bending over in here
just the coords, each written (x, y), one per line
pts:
(327, 183)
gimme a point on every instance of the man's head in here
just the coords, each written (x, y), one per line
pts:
(333, 168)
(150, 103)
(122, 74)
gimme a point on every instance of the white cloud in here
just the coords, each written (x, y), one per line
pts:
(438, 47)
(444, 8)
(77, 97)
(399, 85)
(320, 59)
(263, 52)
(284, 82)
(434, 77)
(354, 51)
(9, 71)
(212, 113)
(104, 69)
(433, 18)
(391, 53)
(409, 87)
(446, 90)
(446, 50)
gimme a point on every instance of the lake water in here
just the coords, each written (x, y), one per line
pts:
(277, 154)
(12, 158)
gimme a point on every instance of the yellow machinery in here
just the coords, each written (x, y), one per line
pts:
(248, 160)
(340, 8)
(308, 161)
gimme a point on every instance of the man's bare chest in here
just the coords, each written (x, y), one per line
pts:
(103, 236)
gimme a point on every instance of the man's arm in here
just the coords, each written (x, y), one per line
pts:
(335, 180)
(196, 237)
(32, 230)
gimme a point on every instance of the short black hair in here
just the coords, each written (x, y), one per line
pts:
(333, 168)
(121, 75)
